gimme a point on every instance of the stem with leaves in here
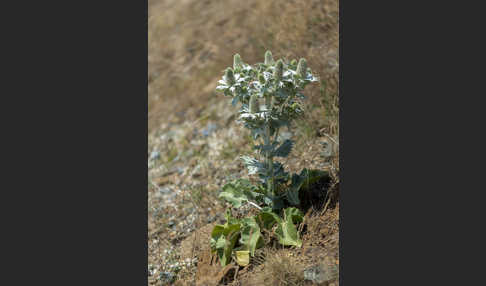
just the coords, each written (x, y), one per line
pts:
(267, 138)
(279, 84)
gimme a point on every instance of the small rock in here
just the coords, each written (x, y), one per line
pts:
(167, 277)
(321, 273)
(210, 128)
(196, 172)
(210, 219)
(155, 155)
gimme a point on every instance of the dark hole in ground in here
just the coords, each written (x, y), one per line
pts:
(316, 193)
(229, 276)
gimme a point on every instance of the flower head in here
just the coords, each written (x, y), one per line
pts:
(278, 72)
(302, 67)
(230, 77)
(261, 78)
(237, 64)
(268, 58)
(254, 107)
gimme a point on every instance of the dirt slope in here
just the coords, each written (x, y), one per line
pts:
(194, 141)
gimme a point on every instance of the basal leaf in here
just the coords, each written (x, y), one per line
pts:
(233, 195)
(221, 242)
(223, 239)
(225, 254)
(294, 214)
(230, 220)
(242, 257)
(239, 192)
(250, 235)
(287, 231)
(268, 219)
(215, 236)
(231, 232)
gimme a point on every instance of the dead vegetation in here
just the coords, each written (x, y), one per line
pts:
(191, 42)
(194, 142)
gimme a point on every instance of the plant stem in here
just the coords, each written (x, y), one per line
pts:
(269, 157)
(270, 163)
(255, 205)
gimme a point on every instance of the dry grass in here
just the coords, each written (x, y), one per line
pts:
(280, 268)
(191, 42)
(322, 228)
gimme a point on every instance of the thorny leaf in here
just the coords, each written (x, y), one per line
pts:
(239, 192)
(284, 149)
(253, 166)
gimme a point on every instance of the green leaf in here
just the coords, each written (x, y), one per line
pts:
(227, 92)
(249, 222)
(262, 148)
(225, 254)
(251, 238)
(239, 192)
(293, 197)
(253, 166)
(230, 219)
(216, 235)
(284, 149)
(242, 257)
(294, 214)
(287, 231)
(221, 242)
(234, 101)
(268, 219)
(292, 193)
(279, 173)
(311, 176)
(223, 239)
(301, 182)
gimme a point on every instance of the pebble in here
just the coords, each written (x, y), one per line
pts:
(167, 276)
(210, 128)
(321, 273)
(155, 155)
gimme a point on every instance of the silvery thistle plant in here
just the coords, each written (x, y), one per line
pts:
(269, 94)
